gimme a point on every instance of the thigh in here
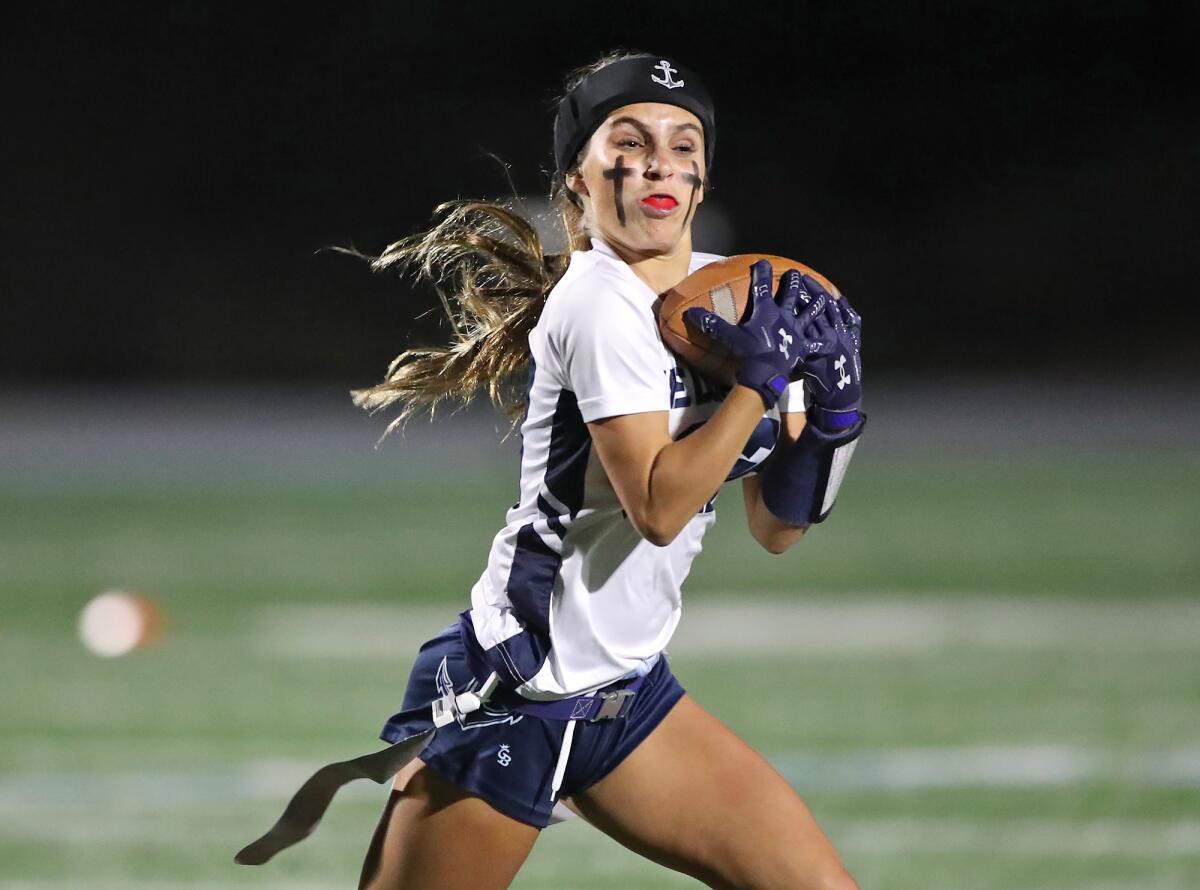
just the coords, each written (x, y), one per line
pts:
(433, 835)
(696, 798)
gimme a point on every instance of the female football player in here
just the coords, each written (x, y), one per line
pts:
(552, 686)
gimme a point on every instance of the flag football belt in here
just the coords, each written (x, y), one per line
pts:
(309, 804)
(602, 705)
(608, 703)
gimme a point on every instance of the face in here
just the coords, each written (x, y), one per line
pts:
(642, 178)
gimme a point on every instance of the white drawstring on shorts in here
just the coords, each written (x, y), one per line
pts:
(564, 754)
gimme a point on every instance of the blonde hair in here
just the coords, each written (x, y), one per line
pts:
(492, 276)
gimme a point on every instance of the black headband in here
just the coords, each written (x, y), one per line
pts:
(635, 79)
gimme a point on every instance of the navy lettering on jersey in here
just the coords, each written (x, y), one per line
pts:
(680, 397)
(708, 390)
(689, 387)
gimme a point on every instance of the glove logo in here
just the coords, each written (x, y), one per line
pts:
(784, 342)
(843, 377)
(667, 81)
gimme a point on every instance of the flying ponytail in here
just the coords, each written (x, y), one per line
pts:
(492, 276)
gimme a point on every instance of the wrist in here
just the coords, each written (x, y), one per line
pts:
(764, 380)
(834, 420)
(750, 398)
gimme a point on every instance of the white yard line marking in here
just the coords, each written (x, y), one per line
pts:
(134, 794)
(1004, 837)
(258, 780)
(1019, 838)
(756, 625)
(1008, 766)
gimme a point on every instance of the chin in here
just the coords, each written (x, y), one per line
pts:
(657, 239)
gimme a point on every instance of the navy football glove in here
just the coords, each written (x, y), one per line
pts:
(769, 343)
(833, 370)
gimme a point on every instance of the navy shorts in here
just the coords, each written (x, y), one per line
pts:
(508, 759)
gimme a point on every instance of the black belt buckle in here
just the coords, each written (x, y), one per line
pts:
(615, 704)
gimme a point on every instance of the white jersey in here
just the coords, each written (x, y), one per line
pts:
(573, 597)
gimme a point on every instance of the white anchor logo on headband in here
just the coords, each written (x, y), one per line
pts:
(667, 70)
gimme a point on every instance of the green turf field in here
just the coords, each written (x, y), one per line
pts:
(993, 664)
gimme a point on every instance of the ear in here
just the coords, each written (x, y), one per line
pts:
(576, 184)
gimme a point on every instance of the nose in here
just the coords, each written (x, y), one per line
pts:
(658, 165)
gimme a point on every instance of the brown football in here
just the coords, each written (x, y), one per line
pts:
(724, 288)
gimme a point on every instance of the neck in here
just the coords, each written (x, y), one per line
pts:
(660, 271)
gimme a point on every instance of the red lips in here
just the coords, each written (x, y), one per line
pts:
(661, 202)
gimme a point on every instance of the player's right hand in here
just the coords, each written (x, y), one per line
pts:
(770, 342)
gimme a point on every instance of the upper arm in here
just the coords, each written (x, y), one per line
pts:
(607, 351)
(609, 354)
(627, 446)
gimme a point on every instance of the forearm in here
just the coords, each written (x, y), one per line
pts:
(775, 535)
(661, 482)
(688, 471)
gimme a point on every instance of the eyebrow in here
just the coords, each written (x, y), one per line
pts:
(687, 125)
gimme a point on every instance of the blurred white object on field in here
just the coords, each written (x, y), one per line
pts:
(116, 622)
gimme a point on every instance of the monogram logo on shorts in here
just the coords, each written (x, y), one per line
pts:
(504, 758)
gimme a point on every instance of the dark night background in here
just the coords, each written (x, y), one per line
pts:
(1004, 188)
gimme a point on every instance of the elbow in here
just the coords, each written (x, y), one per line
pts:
(774, 534)
(777, 545)
(658, 530)
(658, 539)
(660, 536)
(774, 546)
(779, 538)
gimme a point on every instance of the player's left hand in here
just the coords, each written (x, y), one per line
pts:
(833, 371)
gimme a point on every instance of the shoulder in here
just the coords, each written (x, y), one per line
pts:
(593, 288)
